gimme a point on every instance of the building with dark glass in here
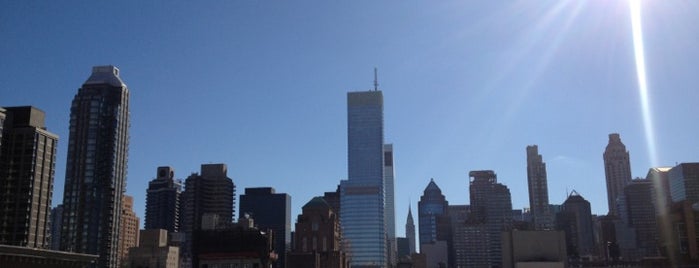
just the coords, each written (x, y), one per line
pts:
(163, 201)
(432, 204)
(390, 207)
(362, 195)
(642, 216)
(683, 216)
(27, 167)
(491, 208)
(538, 190)
(575, 220)
(56, 221)
(270, 210)
(617, 170)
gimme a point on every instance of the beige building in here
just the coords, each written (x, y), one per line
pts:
(153, 251)
(128, 235)
(543, 249)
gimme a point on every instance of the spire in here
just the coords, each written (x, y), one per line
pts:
(410, 216)
(376, 79)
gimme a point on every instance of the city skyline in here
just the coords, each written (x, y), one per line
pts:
(437, 85)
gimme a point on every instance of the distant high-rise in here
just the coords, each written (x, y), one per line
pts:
(362, 195)
(491, 203)
(163, 201)
(97, 156)
(270, 210)
(538, 189)
(617, 170)
(27, 167)
(390, 211)
(410, 231)
(56, 221)
(576, 220)
(642, 216)
(432, 204)
(210, 193)
(129, 222)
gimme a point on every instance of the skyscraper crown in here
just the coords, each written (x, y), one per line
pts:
(106, 74)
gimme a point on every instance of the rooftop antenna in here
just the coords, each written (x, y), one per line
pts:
(376, 80)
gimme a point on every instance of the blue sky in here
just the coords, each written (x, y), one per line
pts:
(261, 86)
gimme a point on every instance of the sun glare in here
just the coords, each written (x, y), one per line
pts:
(637, 32)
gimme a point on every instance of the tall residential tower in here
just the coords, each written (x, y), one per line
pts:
(96, 166)
(362, 195)
(163, 201)
(538, 189)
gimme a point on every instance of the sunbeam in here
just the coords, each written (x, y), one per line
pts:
(637, 32)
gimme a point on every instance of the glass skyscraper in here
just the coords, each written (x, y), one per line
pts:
(362, 195)
(96, 166)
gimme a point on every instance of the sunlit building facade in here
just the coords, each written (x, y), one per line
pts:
(97, 156)
(617, 170)
(362, 195)
(27, 167)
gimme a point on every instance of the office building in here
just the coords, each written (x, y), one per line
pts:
(642, 216)
(491, 204)
(129, 222)
(163, 201)
(97, 156)
(576, 220)
(362, 195)
(270, 210)
(56, 220)
(538, 190)
(410, 231)
(27, 167)
(233, 245)
(617, 170)
(317, 238)
(390, 208)
(432, 204)
(682, 245)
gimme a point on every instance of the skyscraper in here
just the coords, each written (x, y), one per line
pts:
(96, 166)
(642, 216)
(56, 221)
(362, 195)
(163, 201)
(410, 231)
(576, 220)
(617, 170)
(390, 212)
(538, 189)
(491, 204)
(27, 167)
(210, 193)
(432, 204)
(270, 210)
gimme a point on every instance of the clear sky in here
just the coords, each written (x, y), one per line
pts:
(261, 86)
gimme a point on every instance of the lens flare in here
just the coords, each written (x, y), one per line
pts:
(637, 32)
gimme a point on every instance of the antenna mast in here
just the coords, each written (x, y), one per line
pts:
(376, 80)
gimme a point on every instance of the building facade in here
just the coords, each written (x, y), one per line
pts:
(538, 190)
(317, 241)
(576, 220)
(390, 207)
(642, 216)
(270, 210)
(27, 168)
(97, 158)
(362, 195)
(153, 251)
(617, 170)
(163, 201)
(56, 220)
(432, 204)
(491, 204)
(212, 192)
(129, 222)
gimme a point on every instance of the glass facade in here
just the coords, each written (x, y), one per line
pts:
(362, 195)
(96, 166)
(432, 204)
